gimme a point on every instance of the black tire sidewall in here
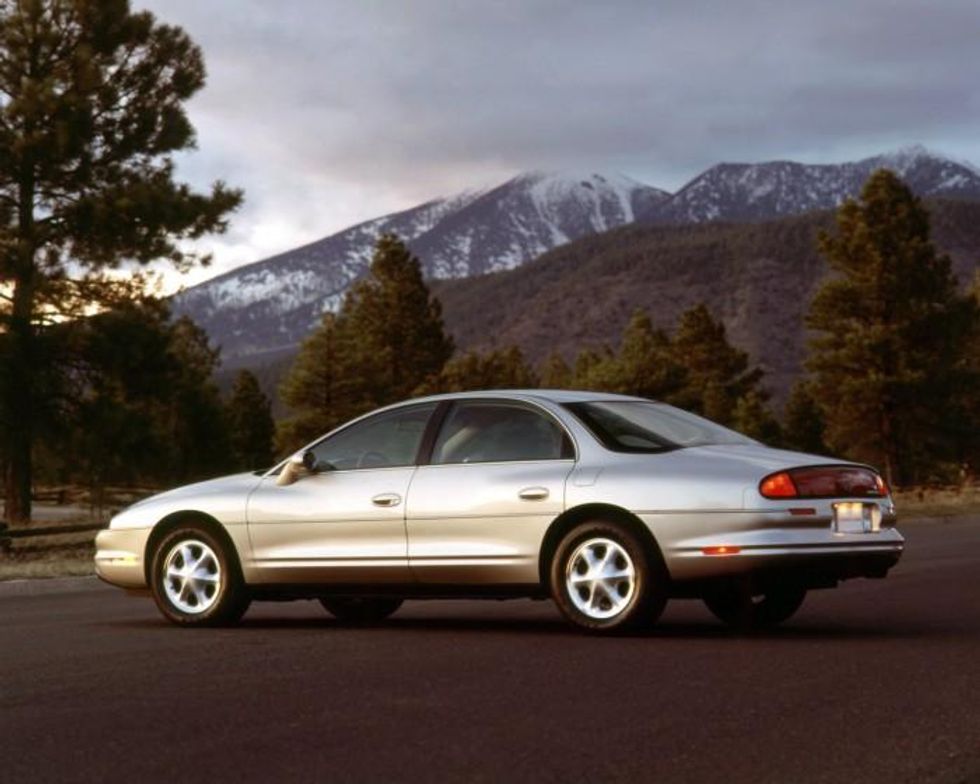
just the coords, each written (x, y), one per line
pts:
(648, 596)
(739, 610)
(231, 602)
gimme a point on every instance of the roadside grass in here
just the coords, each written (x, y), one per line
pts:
(930, 502)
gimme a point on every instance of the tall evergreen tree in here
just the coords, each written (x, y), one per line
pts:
(503, 368)
(386, 341)
(321, 387)
(197, 431)
(555, 373)
(91, 111)
(716, 374)
(596, 369)
(250, 424)
(646, 365)
(892, 331)
(803, 421)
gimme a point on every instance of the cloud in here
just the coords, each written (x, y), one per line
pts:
(328, 112)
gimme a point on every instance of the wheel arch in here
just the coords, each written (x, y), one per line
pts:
(570, 518)
(176, 519)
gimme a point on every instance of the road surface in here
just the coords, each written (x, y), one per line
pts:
(877, 681)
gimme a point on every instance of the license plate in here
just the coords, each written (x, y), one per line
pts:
(853, 517)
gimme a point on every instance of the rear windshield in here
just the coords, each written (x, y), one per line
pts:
(643, 426)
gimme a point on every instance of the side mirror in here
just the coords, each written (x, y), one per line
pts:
(297, 466)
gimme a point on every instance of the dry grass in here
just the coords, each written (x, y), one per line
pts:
(938, 501)
(53, 563)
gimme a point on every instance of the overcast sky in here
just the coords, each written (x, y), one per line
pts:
(328, 112)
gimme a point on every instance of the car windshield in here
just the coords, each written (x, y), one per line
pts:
(644, 426)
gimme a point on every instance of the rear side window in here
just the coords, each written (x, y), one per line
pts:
(487, 432)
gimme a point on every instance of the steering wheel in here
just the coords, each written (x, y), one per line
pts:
(372, 460)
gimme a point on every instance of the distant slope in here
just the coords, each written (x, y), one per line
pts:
(259, 313)
(759, 278)
(271, 305)
(740, 192)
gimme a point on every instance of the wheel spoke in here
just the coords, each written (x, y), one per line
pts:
(191, 577)
(608, 582)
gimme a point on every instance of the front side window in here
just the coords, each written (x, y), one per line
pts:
(382, 441)
(478, 432)
(640, 426)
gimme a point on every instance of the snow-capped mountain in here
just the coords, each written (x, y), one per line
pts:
(274, 303)
(760, 191)
(271, 305)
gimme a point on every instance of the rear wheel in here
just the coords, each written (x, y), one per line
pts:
(603, 579)
(196, 580)
(741, 609)
(360, 609)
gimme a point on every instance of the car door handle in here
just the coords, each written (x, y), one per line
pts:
(386, 499)
(533, 493)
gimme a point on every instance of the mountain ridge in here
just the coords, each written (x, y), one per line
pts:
(267, 307)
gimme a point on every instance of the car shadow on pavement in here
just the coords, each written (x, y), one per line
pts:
(670, 630)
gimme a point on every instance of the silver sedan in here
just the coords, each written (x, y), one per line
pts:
(607, 504)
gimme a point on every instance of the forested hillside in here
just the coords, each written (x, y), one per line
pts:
(758, 278)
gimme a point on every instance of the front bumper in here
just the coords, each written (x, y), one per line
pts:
(119, 556)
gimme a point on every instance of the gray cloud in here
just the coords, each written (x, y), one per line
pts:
(332, 111)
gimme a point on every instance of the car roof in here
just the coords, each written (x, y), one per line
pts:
(552, 395)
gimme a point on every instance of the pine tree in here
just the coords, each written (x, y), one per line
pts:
(715, 373)
(803, 421)
(395, 325)
(892, 330)
(503, 368)
(596, 370)
(197, 431)
(91, 113)
(387, 340)
(555, 373)
(645, 365)
(753, 418)
(250, 424)
(321, 387)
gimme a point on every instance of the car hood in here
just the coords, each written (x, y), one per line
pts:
(223, 484)
(224, 498)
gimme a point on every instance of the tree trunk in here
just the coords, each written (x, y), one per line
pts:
(20, 399)
(20, 408)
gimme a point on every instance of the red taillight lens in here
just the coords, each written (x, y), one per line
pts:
(846, 481)
(778, 486)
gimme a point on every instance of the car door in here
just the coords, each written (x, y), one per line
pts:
(345, 523)
(479, 508)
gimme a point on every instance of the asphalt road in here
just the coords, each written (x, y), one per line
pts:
(877, 681)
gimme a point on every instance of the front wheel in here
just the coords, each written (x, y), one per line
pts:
(196, 581)
(604, 579)
(740, 609)
(360, 609)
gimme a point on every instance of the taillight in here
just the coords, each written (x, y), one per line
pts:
(778, 486)
(824, 482)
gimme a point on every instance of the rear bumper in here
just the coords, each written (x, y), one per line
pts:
(771, 543)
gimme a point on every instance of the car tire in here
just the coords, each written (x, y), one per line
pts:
(740, 609)
(360, 610)
(196, 579)
(604, 579)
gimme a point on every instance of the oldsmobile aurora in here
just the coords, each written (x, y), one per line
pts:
(609, 505)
